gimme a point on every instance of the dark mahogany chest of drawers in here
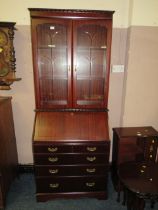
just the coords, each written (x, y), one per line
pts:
(133, 143)
(71, 155)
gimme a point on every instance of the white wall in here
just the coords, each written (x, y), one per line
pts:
(145, 13)
(140, 88)
(17, 10)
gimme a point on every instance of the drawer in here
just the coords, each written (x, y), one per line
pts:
(149, 147)
(58, 159)
(53, 148)
(72, 148)
(70, 170)
(71, 184)
(92, 148)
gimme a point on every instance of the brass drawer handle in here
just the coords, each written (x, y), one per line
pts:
(52, 149)
(90, 184)
(53, 171)
(55, 185)
(91, 170)
(91, 149)
(53, 159)
(91, 159)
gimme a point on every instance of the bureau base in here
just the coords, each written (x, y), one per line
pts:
(43, 197)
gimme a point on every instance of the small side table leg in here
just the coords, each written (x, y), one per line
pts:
(141, 204)
(124, 196)
(119, 191)
(135, 203)
(129, 197)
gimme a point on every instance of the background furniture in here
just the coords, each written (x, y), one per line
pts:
(7, 55)
(8, 151)
(71, 58)
(140, 183)
(130, 144)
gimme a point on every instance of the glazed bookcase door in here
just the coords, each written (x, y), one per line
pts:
(53, 63)
(90, 75)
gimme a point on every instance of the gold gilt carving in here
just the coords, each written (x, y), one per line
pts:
(7, 55)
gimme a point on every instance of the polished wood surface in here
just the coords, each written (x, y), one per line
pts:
(72, 184)
(73, 174)
(71, 170)
(76, 147)
(76, 126)
(45, 159)
(71, 154)
(140, 177)
(8, 154)
(139, 182)
(145, 131)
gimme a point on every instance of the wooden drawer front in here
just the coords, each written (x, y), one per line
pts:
(70, 148)
(52, 148)
(92, 148)
(71, 184)
(71, 170)
(44, 159)
(150, 148)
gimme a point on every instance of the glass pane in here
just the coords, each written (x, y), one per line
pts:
(90, 63)
(53, 63)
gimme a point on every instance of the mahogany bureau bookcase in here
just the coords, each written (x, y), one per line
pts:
(71, 61)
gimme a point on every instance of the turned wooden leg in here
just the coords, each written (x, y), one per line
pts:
(129, 199)
(141, 204)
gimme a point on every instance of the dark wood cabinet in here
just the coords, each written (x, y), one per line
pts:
(8, 154)
(71, 155)
(71, 58)
(133, 143)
